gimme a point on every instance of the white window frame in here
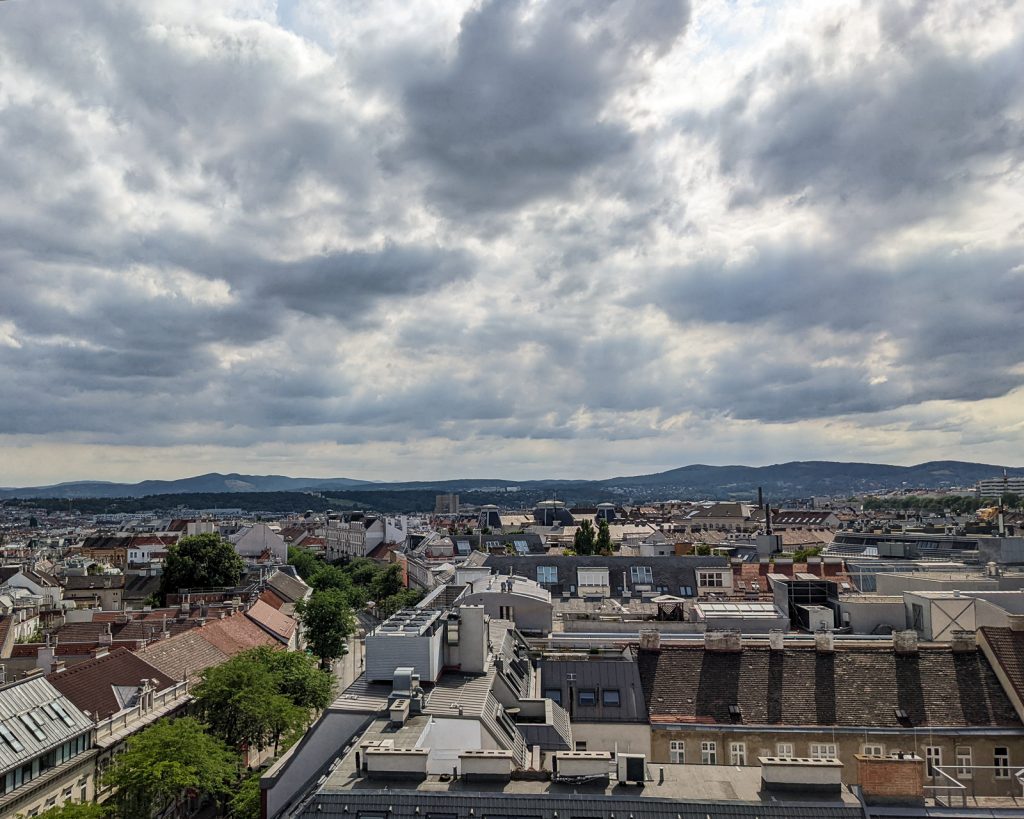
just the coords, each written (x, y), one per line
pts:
(641, 575)
(784, 749)
(824, 750)
(708, 752)
(1001, 761)
(710, 578)
(964, 761)
(547, 575)
(738, 754)
(591, 577)
(873, 750)
(677, 752)
(932, 760)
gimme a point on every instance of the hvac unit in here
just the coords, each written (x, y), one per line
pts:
(632, 769)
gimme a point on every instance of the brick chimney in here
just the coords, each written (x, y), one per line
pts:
(814, 566)
(963, 642)
(784, 565)
(897, 779)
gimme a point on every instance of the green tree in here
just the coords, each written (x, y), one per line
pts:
(305, 562)
(1011, 500)
(583, 541)
(200, 561)
(327, 622)
(387, 582)
(603, 544)
(164, 762)
(297, 677)
(245, 804)
(243, 703)
(75, 810)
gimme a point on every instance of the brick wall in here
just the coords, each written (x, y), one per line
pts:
(890, 780)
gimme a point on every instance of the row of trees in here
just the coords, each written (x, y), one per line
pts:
(940, 504)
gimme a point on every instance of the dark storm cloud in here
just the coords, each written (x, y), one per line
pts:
(900, 136)
(813, 317)
(522, 109)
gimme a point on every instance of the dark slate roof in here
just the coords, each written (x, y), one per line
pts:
(851, 687)
(415, 804)
(600, 674)
(97, 582)
(1008, 649)
(91, 685)
(669, 572)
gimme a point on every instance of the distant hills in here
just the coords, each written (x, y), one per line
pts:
(212, 482)
(780, 481)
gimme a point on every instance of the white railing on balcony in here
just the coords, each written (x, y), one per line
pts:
(159, 700)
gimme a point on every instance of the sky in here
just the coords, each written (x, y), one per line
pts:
(507, 238)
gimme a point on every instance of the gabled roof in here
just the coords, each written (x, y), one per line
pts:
(859, 686)
(235, 634)
(183, 656)
(288, 588)
(275, 622)
(92, 685)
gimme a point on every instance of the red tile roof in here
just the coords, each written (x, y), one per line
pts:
(276, 622)
(272, 599)
(91, 685)
(235, 634)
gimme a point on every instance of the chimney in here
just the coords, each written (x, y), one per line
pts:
(824, 641)
(897, 779)
(904, 642)
(963, 642)
(764, 566)
(777, 639)
(814, 566)
(723, 640)
(650, 639)
(760, 498)
(100, 651)
(784, 565)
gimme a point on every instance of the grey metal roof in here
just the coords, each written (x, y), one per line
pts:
(417, 804)
(598, 675)
(53, 718)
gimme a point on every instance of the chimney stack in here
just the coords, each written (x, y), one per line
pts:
(723, 640)
(824, 641)
(905, 642)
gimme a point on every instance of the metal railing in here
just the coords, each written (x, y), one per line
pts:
(123, 720)
(955, 792)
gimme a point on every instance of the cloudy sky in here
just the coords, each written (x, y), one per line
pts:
(516, 238)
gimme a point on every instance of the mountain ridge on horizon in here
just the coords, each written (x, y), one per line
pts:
(800, 477)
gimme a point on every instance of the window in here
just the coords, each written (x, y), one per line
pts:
(1001, 759)
(708, 753)
(710, 579)
(686, 591)
(587, 696)
(641, 574)
(547, 575)
(677, 752)
(933, 756)
(610, 697)
(964, 761)
(873, 750)
(784, 749)
(592, 577)
(553, 694)
(918, 615)
(33, 729)
(581, 746)
(737, 753)
(12, 741)
(506, 613)
(823, 751)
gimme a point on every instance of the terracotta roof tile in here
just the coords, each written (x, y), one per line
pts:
(235, 634)
(91, 685)
(183, 656)
(276, 622)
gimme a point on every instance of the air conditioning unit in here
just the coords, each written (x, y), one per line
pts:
(632, 769)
